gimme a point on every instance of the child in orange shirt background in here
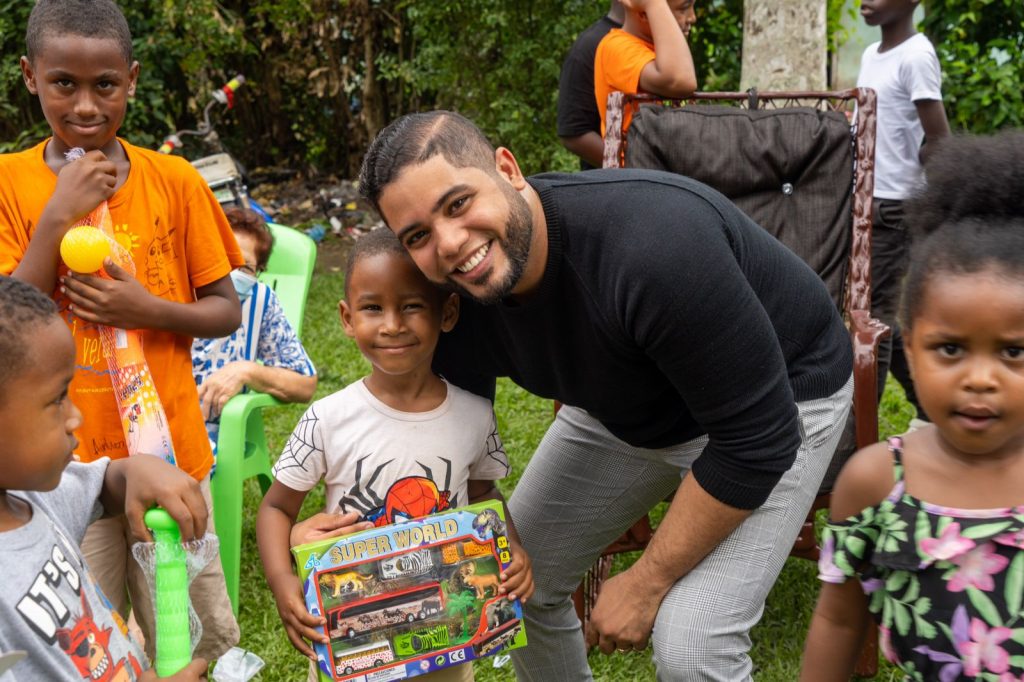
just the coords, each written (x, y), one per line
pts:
(649, 54)
(79, 63)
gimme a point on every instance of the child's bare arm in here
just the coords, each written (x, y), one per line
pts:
(841, 614)
(81, 187)
(588, 146)
(134, 484)
(836, 634)
(671, 73)
(274, 522)
(517, 579)
(124, 303)
(933, 120)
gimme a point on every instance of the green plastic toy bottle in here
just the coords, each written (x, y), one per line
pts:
(173, 637)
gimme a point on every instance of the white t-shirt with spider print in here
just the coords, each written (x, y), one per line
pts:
(390, 465)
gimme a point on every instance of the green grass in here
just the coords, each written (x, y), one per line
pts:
(777, 640)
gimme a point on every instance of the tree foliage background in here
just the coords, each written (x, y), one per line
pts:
(325, 75)
(981, 49)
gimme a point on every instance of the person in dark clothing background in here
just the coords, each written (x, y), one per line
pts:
(579, 123)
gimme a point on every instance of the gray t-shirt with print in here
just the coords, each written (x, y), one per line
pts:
(50, 605)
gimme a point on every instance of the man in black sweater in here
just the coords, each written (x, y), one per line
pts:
(685, 343)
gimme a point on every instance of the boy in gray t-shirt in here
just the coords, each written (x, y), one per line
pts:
(50, 606)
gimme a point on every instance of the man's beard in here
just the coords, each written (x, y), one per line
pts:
(516, 245)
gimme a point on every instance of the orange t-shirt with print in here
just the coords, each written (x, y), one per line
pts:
(619, 59)
(174, 229)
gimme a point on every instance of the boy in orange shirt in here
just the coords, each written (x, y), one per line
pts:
(648, 54)
(80, 65)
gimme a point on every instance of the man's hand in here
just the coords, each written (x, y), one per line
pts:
(82, 185)
(299, 624)
(693, 526)
(196, 670)
(517, 579)
(323, 525)
(223, 385)
(623, 618)
(121, 302)
(135, 484)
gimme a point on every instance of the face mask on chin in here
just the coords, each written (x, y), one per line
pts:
(244, 282)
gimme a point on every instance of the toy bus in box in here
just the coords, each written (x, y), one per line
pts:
(407, 599)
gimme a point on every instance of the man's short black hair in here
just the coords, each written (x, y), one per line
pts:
(373, 243)
(89, 18)
(415, 138)
(22, 309)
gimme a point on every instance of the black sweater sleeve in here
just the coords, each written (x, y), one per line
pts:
(697, 317)
(700, 289)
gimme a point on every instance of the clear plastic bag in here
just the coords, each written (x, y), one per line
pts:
(237, 665)
(198, 553)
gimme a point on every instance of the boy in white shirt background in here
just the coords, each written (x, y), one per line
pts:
(903, 70)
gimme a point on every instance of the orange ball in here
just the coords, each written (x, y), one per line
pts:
(84, 248)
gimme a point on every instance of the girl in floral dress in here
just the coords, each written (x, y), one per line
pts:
(931, 525)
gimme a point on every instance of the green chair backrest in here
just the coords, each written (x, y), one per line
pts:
(290, 270)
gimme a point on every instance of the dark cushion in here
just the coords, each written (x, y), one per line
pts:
(790, 169)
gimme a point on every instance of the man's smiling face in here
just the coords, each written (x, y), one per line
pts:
(466, 229)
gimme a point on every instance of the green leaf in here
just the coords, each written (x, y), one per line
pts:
(922, 606)
(878, 601)
(902, 616)
(924, 628)
(984, 606)
(856, 546)
(923, 524)
(842, 563)
(896, 581)
(887, 610)
(913, 591)
(985, 530)
(1014, 584)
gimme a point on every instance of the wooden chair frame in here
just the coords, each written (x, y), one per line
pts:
(865, 331)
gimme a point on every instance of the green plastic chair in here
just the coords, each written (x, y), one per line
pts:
(241, 442)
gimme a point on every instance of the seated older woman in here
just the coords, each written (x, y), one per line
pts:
(263, 354)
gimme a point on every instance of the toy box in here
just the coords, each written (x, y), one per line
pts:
(407, 599)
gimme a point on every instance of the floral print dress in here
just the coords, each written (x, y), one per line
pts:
(945, 585)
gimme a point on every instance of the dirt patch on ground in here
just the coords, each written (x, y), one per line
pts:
(327, 209)
(332, 254)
